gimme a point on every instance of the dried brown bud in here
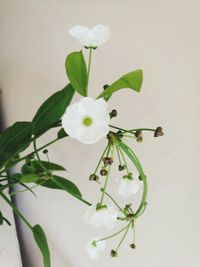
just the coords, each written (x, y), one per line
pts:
(103, 172)
(158, 132)
(138, 134)
(113, 253)
(107, 160)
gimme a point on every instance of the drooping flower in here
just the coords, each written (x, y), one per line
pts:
(104, 216)
(128, 187)
(93, 37)
(87, 121)
(94, 247)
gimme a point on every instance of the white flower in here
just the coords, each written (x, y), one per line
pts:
(87, 121)
(93, 37)
(94, 247)
(104, 216)
(127, 187)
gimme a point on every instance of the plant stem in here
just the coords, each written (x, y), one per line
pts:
(132, 130)
(142, 206)
(110, 236)
(117, 205)
(97, 167)
(18, 213)
(89, 65)
(127, 228)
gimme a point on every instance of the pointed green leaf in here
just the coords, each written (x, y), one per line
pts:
(41, 241)
(52, 110)
(14, 140)
(35, 167)
(132, 80)
(77, 72)
(61, 134)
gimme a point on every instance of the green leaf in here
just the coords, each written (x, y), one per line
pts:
(14, 140)
(35, 167)
(132, 80)
(77, 72)
(57, 182)
(52, 110)
(41, 241)
(29, 178)
(1, 218)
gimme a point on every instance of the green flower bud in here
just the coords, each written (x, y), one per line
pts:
(113, 253)
(121, 167)
(94, 177)
(103, 172)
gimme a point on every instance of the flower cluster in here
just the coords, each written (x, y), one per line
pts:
(88, 120)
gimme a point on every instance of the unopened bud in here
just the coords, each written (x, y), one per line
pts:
(158, 132)
(103, 172)
(121, 167)
(106, 86)
(133, 246)
(113, 253)
(45, 151)
(107, 161)
(94, 177)
(113, 113)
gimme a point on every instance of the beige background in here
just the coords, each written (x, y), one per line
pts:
(162, 38)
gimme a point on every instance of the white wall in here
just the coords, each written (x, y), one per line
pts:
(162, 37)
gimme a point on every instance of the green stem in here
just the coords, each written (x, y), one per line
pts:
(18, 213)
(97, 167)
(127, 228)
(132, 130)
(143, 204)
(89, 65)
(124, 159)
(117, 205)
(110, 236)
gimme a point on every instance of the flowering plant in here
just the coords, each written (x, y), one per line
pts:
(87, 121)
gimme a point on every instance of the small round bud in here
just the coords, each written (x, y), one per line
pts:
(113, 113)
(138, 134)
(139, 139)
(45, 151)
(103, 172)
(133, 246)
(121, 167)
(158, 132)
(106, 86)
(113, 253)
(94, 177)
(107, 161)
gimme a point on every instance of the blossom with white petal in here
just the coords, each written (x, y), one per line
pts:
(87, 121)
(127, 187)
(93, 37)
(102, 217)
(94, 247)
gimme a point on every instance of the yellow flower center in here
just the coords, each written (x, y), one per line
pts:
(87, 121)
